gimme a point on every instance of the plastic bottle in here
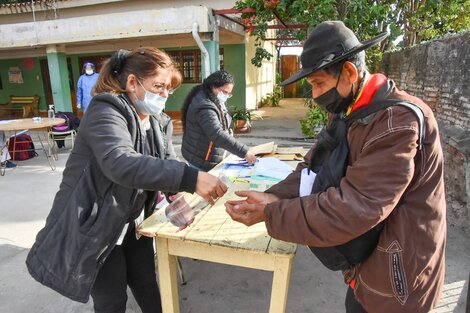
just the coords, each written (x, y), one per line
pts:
(50, 112)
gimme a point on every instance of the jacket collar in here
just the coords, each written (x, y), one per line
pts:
(370, 87)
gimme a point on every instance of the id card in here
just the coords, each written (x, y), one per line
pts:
(307, 178)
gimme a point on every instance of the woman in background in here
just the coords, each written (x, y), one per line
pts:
(206, 124)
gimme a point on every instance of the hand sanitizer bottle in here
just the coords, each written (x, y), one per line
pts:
(50, 112)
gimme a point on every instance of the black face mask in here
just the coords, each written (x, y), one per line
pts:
(332, 101)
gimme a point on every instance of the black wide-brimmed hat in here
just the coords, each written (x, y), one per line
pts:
(329, 43)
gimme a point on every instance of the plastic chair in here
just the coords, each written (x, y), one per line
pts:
(55, 137)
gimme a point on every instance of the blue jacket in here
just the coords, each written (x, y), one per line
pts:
(84, 88)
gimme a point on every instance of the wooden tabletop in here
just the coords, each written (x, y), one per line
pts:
(29, 123)
(214, 226)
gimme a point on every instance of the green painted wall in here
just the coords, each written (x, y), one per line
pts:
(175, 101)
(234, 63)
(32, 80)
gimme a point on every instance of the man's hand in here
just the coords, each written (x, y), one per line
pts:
(210, 187)
(251, 210)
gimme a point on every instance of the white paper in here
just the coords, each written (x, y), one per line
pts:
(272, 167)
(307, 178)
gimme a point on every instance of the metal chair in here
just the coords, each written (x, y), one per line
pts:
(55, 137)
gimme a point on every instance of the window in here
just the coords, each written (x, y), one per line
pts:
(189, 64)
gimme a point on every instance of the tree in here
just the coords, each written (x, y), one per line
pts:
(415, 20)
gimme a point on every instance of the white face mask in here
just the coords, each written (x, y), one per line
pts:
(89, 72)
(153, 104)
(222, 97)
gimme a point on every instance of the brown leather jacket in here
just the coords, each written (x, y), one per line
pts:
(385, 181)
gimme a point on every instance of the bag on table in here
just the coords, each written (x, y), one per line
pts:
(23, 147)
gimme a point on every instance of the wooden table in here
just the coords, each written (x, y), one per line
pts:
(43, 125)
(215, 237)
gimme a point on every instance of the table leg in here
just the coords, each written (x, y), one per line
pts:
(280, 287)
(167, 276)
(48, 155)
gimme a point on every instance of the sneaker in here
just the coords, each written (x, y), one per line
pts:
(8, 164)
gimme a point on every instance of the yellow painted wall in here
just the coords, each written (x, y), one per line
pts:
(259, 80)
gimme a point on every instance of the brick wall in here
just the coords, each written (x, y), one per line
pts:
(439, 73)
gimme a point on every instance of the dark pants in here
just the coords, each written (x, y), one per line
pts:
(352, 306)
(131, 263)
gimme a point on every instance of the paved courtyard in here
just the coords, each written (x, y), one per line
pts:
(26, 195)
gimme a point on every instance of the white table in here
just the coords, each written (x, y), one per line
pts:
(43, 125)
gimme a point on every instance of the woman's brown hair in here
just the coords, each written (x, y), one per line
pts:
(142, 62)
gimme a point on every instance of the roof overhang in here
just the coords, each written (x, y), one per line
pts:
(170, 27)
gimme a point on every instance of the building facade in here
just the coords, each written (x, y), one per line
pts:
(43, 45)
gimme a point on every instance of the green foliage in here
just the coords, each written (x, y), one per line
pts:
(272, 98)
(415, 20)
(314, 121)
(240, 114)
(260, 55)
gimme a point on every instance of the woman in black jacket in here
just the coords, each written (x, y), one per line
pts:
(206, 123)
(121, 157)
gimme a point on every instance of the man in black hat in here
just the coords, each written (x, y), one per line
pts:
(369, 199)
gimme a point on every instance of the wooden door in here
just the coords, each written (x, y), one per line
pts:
(290, 64)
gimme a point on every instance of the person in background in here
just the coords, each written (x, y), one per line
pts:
(206, 124)
(120, 161)
(85, 85)
(4, 154)
(393, 183)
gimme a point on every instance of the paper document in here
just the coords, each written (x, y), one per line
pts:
(307, 178)
(264, 148)
(272, 167)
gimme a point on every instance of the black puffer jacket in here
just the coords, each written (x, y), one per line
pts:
(207, 135)
(110, 176)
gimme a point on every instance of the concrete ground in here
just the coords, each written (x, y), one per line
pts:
(26, 195)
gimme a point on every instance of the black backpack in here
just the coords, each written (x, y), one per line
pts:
(330, 161)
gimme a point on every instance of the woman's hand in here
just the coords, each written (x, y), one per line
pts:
(250, 157)
(210, 187)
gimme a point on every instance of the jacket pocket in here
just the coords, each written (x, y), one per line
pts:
(87, 198)
(383, 273)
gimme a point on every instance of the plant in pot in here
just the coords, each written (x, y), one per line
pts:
(241, 119)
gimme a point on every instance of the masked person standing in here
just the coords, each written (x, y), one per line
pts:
(374, 205)
(85, 85)
(206, 124)
(119, 162)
